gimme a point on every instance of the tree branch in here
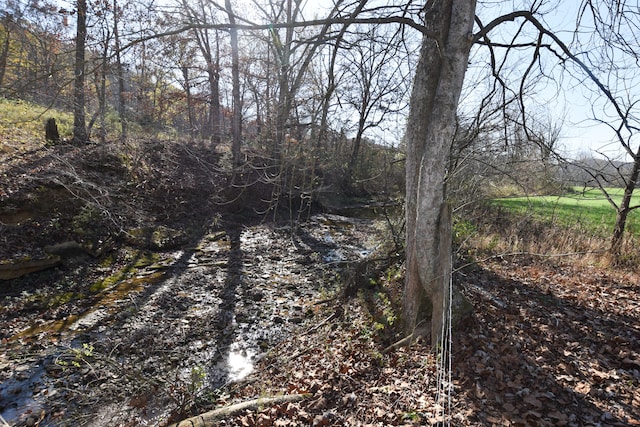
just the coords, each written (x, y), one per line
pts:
(528, 16)
(401, 20)
(209, 419)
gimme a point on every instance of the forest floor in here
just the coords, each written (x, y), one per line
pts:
(546, 345)
(196, 305)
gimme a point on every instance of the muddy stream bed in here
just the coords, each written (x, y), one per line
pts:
(164, 338)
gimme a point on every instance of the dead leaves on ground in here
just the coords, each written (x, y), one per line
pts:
(351, 381)
(547, 346)
(558, 353)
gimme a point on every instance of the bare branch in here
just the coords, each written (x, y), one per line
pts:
(529, 17)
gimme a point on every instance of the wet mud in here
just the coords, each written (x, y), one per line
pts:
(155, 344)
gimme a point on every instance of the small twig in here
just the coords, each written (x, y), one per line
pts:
(525, 253)
(336, 314)
(421, 330)
(4, 422)
(324, 301)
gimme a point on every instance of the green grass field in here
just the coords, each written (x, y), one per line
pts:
(23, 122)
(31, 117)
(586, 209)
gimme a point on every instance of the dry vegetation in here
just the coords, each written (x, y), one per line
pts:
(553, 340)
(491, 231)
(547, 345)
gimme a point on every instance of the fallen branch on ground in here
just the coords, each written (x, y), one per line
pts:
(337, 313)
(208, 419)
(421, 330)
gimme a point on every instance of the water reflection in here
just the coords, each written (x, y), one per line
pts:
(236, 365)
(239, 364)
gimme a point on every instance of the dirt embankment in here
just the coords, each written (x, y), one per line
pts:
(158, 293)
(195, 306)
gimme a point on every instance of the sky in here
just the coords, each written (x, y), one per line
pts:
(566, 101)
(573, 101)
(570, 102)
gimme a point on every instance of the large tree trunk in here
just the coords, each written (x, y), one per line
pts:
(236, 123)
(430, 131)
(79, 121)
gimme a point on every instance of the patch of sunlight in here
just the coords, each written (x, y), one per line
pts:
(239, 364)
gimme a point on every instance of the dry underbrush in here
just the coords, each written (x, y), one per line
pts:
(494, 232)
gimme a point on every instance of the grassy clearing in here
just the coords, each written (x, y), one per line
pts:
(568, 229)
(22, 124)
(584, 209)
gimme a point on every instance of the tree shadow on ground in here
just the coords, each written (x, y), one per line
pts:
(539, 353)
(225, 319)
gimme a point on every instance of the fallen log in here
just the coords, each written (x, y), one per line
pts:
(16, 268)
(208, 419)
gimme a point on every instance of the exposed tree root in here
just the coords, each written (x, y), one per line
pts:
(422, 330)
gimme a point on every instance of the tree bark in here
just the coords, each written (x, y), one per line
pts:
(285, 92)
(187, 90)
(355, 150)
(430, 130)
(101, 94)
(79, 120)
(212, 130)
(213, 70)
(211, 418)
(51, 131)
(4, 51)
(120, 74)
(236, 123)
(623, 211)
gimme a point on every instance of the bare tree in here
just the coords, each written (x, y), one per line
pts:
(209, 45)
(432, 121)
(236, 122)
(79, 122)
(34, 61)
(122, 112)
(294, 53)
(447, 30)
(375, 88)
(430, 130)
(185, 54)
(613, 69)
(100, 64)
(602, 61)
(7, 25)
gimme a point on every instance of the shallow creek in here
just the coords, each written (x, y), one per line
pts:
(198, 318)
